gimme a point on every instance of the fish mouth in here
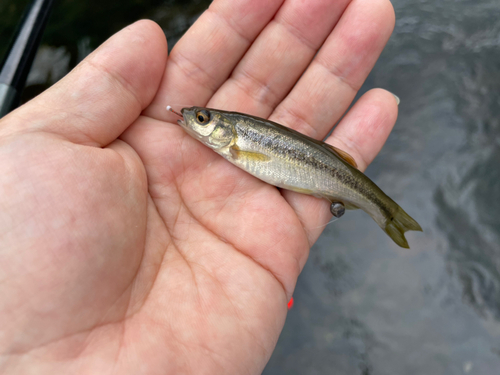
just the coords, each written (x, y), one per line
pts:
(181, 123)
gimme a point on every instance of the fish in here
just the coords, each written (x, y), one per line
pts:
(287, 159)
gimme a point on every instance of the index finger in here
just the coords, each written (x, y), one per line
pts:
(205, 56)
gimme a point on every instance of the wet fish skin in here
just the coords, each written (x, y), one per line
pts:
(287, 159)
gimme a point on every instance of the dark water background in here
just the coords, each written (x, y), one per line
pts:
(362, 305)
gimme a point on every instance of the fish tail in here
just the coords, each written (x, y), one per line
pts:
(398, 225)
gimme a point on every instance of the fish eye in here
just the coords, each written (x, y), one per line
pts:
(203, 117)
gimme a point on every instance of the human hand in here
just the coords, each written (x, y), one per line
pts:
(128, 247)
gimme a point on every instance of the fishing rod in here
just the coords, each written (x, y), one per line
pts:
(19, 58)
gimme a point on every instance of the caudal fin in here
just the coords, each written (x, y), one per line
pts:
(398, 225)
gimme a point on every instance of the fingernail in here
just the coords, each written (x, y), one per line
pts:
(397, 99)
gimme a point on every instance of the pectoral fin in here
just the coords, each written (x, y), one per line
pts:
(343, 155)
(248, 155)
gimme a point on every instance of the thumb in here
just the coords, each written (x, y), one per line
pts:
(104, 94)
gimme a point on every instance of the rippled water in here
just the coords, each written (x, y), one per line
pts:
(367, 307)
(362, 305)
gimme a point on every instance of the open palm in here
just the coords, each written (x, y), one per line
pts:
(128, 247)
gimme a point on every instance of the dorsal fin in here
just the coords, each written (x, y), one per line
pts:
(343, 155)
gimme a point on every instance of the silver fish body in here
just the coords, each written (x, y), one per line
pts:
(287, 159)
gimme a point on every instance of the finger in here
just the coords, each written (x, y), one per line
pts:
(278, 57)
(361, 133)
(206, 55)
(329, 85)
(105, 93)
(364, 130)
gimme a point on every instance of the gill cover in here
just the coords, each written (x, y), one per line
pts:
(208, 126)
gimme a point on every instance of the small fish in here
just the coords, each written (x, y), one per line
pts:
(290, 160)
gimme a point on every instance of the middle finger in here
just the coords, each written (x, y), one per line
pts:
(330, 83)
(278, 56)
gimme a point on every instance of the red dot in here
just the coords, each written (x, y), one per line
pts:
(290, 303)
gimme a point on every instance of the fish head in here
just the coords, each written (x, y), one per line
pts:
(209, 126)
